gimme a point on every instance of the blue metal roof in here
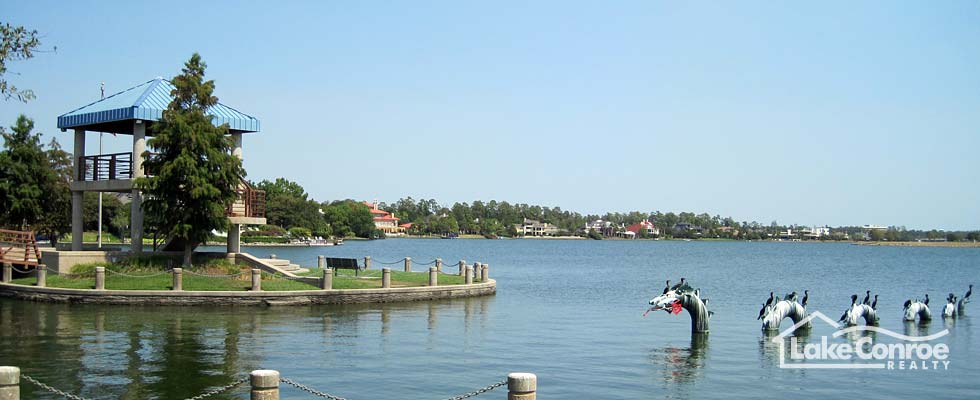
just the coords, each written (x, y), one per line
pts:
(147, 102)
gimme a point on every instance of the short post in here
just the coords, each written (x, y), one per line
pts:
(367, 263)
(256, 279)
(9, 383)
(439, 264)
(265, 384)
(326, 283)
(320, 260)
(484, 272)
(8, 272)
(522, 386)
(178, 279)
(477, 268)
(408, 264)
(385, 278)
(462, 267)
(433, 276)
(469, 275)
(99, 278)
(42, 275)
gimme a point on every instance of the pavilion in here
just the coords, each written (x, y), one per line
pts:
(132, 112)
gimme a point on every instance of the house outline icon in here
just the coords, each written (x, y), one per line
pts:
(780, 338)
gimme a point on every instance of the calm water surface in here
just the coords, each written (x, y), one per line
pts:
(569, 311)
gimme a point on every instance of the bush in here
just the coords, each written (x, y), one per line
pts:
(300, 232)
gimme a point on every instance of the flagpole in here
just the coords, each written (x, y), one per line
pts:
(102, 89)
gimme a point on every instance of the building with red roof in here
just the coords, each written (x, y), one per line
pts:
(383, 220)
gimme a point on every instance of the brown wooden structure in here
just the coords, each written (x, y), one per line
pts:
(19, 248)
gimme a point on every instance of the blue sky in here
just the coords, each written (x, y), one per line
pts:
(825, 113)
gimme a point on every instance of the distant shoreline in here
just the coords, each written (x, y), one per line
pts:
(921, 244)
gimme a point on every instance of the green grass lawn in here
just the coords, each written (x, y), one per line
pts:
(151, 273)
(93, 237)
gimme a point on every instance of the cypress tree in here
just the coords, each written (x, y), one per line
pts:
(195, 174)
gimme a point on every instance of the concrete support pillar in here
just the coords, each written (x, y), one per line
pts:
(9, 383)
(408, 264)
(522, 386)
(326, 283)
(76, 197)
(136, 207)
(320, 261)
(469, 275)
(439, 264)
(42, 275)
(99, 278)
(462, 267)
(8, 273)
(433, 276)
(265, 384)
(236, 150)
(234, 238)
(367, 263)
(178, 279)
(385, 278)
(77, 230)
(484, 272)
(477, 267)
(256, 280)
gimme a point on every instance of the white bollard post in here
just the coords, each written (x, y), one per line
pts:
(367, 263)
(178, 279)
(408, 264)
(99, 278)
(326, 283)
(469, 275)
(433, 276)
(42, 275)
(9, 383)
(385, 278)
(265, 384)
(256, 280)
(439, 264)
(462, 267)
(522, 386)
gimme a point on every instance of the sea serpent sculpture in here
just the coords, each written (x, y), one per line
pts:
(961, 306)
(857, 311)
(681, 296)
(775, 310)
(916, 308)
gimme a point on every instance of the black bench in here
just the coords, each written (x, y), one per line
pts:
(343, 263)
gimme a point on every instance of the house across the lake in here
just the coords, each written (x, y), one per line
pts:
(385, 221)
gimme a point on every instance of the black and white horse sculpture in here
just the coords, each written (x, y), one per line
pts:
(682, 297)
(776, 310)
(916, 308)
(858, 311)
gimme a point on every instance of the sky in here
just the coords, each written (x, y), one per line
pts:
(822, 113)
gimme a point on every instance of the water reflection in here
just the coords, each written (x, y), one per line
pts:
(916, 328)
(682, 365)
(770, 347)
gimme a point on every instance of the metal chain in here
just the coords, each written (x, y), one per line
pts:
(479, 391)
(216, 276)
(389, 263)
(310, 390)
(18, 271)
(51, 389)
(428, 263)
(219, 390)
(138, 276)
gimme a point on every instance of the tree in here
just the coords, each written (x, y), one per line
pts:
(349, 217)
(17, 44)
(196, 173)
(26, 178)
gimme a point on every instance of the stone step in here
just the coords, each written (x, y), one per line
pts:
(278, 262)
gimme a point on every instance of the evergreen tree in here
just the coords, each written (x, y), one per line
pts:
(196, 174)
(26, 178)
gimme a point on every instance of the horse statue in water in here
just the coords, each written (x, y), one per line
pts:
(775, 310)
(916, 308)
(682, 297)
(863, 310)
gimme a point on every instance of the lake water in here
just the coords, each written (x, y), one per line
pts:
(568, 311)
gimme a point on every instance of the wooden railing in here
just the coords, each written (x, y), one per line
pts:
(19, 248)
(250, 202)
